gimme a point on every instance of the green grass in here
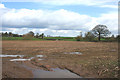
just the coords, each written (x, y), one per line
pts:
(62, 38)
(51, 38)
(12, 38)
(17, 38)
(45, 38)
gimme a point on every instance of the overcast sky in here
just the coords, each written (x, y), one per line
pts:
(58, 17)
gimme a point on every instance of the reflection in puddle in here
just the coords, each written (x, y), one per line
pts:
(24, 59)
(56, 73)
(11, 55)
(73, 53)
(40, 59)
(39, 55)
(20, 59)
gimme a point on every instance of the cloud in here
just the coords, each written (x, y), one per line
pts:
(59, 19)
(110, 19)
(78, 2)
(97, 3)
(110, 6)
(2, 6)
(51, 32)
(57, 22)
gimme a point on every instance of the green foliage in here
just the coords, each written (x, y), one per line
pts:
(78, 38)
(89, 36)
(45, 38)
(60, 38)
(100, 31)
(27, 37)
(37, 35)
(12, 38)
(30, 33)
(118, 38)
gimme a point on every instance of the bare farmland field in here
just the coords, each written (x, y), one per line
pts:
(97, 59)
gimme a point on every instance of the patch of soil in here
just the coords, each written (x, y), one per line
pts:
(97, 59)
(12, 70)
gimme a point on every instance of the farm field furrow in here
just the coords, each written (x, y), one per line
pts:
(96, 59)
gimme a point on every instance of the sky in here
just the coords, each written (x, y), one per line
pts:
(58, 17)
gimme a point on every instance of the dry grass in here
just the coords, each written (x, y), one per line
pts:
(99, 59)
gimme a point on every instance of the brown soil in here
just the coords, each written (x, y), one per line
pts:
(11, 70)
(99, 59)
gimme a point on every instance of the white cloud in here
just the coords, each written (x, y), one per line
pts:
(2, 6)
(58, 22)
(99, 3)
(110, 6)
(51, 32)
(77, 2)
(60, 19)
(110, 19)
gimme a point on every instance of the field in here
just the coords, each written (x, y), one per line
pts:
(97, 59)
(45, 38)
(57, 38)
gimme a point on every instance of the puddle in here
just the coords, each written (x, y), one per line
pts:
(39, 56)
(40, 59)
(73, 53)
(11, 55)
(2, 55)
(24, 59)
(113, 50)
(20, 59)
(56, 73)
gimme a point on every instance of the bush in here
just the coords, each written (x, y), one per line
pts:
(89, 36)
(27, 37)
(78, 38)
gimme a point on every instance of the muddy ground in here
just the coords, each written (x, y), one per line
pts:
(98, 59)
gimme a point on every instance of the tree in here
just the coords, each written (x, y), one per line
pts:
(6, 34)
(78, 38)
(31, 33)
(37, 35)
(10, 34)
(28, 36)
(15, 35)
(42, 35)
(112, 38)
(89, 36)
(81, 33)
(100, 31)
(118, 38)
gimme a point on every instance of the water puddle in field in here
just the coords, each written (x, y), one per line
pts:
(21, 57)
(56, 73)
(113, 50)
(40, 59)
(39, 73)
(11, 55)
(39, 56)
(73, 53)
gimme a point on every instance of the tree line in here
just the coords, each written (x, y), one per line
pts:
(28, 35)
(97, 33)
